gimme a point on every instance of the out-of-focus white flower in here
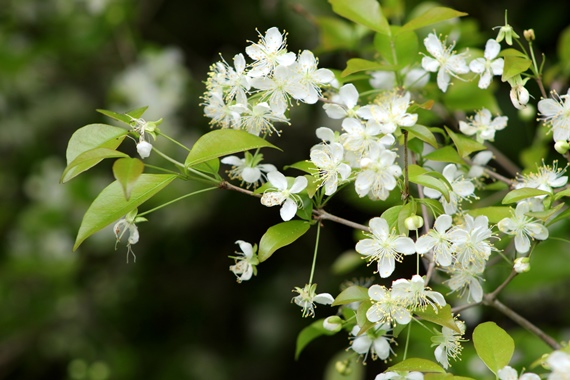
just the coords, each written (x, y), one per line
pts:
(483, 125)
(463, 279)
(559, 363)
(344, 103)
(522, 264)
(282, 194)
(308, 297)
(268, 52)
(246, 261)
(328, 159)
(374, 341)
(312, 77)
(378, 175)
(448, 344)
(384, 246)
(509, 373)
(400, 375)
(489, 65)
(461, 188)
(478, 163)
(445, 62)
(555, 112)
(519, 94)
(389, 112)
(414, 78)
(523, 228)
(248, 169)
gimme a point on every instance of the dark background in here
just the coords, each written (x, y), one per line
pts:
(177, 313)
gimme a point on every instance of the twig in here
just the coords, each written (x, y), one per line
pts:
(321, 214)
(228, 186)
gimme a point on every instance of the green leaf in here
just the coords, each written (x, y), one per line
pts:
(515, 63)
(467, 96)
(310, 333)
(280, 235)
(423, 133)
(465, 145)
(336, 34)
(420, 176)
(137, 112)
(94, 136)
(546, 214)
(433, 205)
(351, 294)
(391, 216)
(495, 213)
(346, 263)
(114, 115)
(563, 193)
(111, 205)
(417, 364)
(210, 167)
(127, 171)
(397, 49)
(445, 154)
(363, 12)
(493, 345)
(305, 166)
(430, 17)
(87, 160)
(442, 317)
(355, 65)
(524, 193)
(361, 318)
(223, 142)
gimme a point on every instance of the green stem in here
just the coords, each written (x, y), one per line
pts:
(315, 253)
(176, 200)
(174, 141)
(161, 169)
(407, 340)
(168, 158)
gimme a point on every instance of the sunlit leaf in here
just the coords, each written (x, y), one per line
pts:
(399, 49)
(110, 204)
(351, 294)
(346, 263)
(94, 136)
(87, 160)
(423, 133)
(363, 12)
(223, 142)
(430, 17)
(356, 65)
(127, 171)
(421, 176)
(465, 146)
(445, 154)
(494, 214)
(417, 364)
(279, 236)
(310, 333)
(442, 317)
(493, 345)
(523, 193)
(514, 65)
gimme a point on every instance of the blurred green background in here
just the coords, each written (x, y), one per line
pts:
(177, 313)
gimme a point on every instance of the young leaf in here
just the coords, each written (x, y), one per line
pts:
(111, 205)
(94, 136)
(310, 333)
(417, 364)
(445, 154)
(494, 214)
(336, 34)
(391, 216)
(114, 115)
(420, 176)
(137, 112)
(514, 65)
(423, 133)
(279, 236)
(398, 49)
(363, 12)
(210, 167)
(126, 171)
(465, 145)
(493, 345)
(222, 142)
(87, 160)
(356, 65)
(351, 294)
(430, 17)
(442, 317)
(524, 193)
(305, 166)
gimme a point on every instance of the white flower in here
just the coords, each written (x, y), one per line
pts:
(378, 175)
(312, 77)
(519, 94)
(521, 265)
(400, 375)
(559, 363)
(285, 82)
(470, 242)
(384, 246)
(248, 169)
(386, 80)
(307, 298)
(144, 148)
(269, 52)
(546, 178)
(555, 111)
(448, 344)
(416, 295)
(386, 308)
(282, 194)
(343, 104)
(438, 239)
(259, 118)
(461, 188)
(128, 223)
(232, 81)
(509, 373)
(444, 61)
(245, 263)
(328, 159)
(483, 125)
(373, 341)
(489, 65)
(523, 228)
(463, 279)
(389, 112)
(478, 163)
(333, 323)
(358, 138)
(222, 114)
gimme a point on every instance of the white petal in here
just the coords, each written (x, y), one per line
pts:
(381, 347)
(278, 180)
(522, 243)
(386, 266)
(323, 299)
(299, 184)
(492, 49)
(477, 65)
(405, 245)
(361, 344)
(424, 244)
(288, 210)
(334, 111)
(349, 95)
(251, 175)
(232, 160)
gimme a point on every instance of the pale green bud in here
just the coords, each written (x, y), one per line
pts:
(529, 35)
(343, 367)
(414, 222)
(333, 323)
(561, 146)
(522, 265)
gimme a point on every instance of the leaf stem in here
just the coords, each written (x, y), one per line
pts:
(175, 142)
(176, 200)
(315, 254)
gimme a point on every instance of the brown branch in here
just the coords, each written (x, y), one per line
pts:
(321, 214)
(228, 186)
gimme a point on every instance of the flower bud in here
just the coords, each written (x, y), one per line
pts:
(561, 146)
(343, 367)
(529, 35)
(414, 222)
(522, 265)
(144, 148)
(333, 323)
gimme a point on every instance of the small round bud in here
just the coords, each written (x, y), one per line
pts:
(144, 148)
(527, 113)
(333, 323)
(529, 35)
(414, 222)
(561, 146)
(522, 265)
